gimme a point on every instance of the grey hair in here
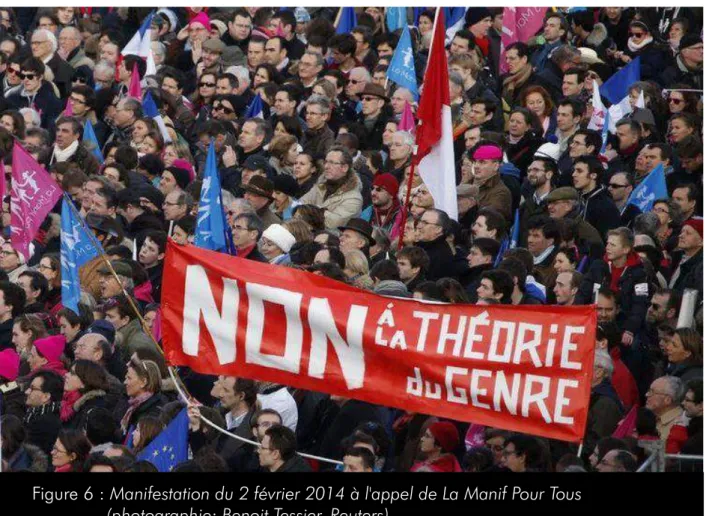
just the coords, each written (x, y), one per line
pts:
(319, 58)
(34, 116)
(74, 30)
(382, 238)
(51, 37)
(227, 197)
(241, 73)
(244, 205)
(646, 223)
(159, 48)
(104, 66)
(603, 361)
(364, 71)
(643, 239)
(407, 137)
(675, 388)
(322, 102)
(456, 78)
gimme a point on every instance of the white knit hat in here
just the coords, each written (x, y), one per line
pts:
(549, 150)
(280, 236)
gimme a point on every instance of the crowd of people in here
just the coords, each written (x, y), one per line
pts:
(321, 182)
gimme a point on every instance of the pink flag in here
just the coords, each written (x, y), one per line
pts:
(407, 121)
(627, 426)
(519, 24)
(157, 325)
(69, 109)
(135, 90)
(34, 193)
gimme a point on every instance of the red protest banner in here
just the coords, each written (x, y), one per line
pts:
(520, 368)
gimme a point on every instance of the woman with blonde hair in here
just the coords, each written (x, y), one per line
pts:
(357, 270)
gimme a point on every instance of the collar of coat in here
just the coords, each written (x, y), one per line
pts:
(352, 183)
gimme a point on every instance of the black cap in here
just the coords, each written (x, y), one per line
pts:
(689, 40)
(286, 184)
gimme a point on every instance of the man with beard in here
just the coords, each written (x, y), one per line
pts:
(539, 177)
(387, 212)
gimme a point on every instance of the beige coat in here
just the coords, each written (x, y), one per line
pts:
(341, 206)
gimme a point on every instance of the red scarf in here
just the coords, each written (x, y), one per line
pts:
(484, 44)
(67, 405)
(616, 272)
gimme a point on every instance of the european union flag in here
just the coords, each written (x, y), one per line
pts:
(211, 223)
(91, 142)
(170, 447)
(616, 87)
(255, 109)
(653, 187)
(346, 20)
(401, 70)
(77, 248)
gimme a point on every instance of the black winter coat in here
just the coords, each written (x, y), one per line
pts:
(43, 425)
(634, 290)
(599, 210)
(440, 258)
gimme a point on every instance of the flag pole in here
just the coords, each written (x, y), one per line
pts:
(405, 214)
(104, 257)
(338, 17)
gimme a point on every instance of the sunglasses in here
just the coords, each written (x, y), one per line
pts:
(28, 75)
(637, 34)
(616, 186)
(226, 110)
(207, 84)
(12, 71)
(353, 81)
(673, 100)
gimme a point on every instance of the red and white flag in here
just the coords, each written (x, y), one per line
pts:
(34, 193)
(435, 152)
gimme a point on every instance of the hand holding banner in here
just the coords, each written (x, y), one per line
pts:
(519, 368)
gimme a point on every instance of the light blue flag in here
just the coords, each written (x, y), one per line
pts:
(77, 248)
(211, 223)
(515, 231)
(255, 109)
(171, 446)
(396, 18)
(401, 70)
(616, 88)
(653, 187)
(347, 21)
(604, 133)
(91, 142)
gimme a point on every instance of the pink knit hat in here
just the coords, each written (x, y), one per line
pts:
(203, 19)
(52, 347)
(182, 163)
(9, 364)
(488, 152)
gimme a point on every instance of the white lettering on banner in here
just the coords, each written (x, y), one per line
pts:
(425, 317)
(350, 354)
(568, 346)
(505, 391)
(222, 325)
(291, 301)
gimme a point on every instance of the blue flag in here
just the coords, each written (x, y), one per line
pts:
(616, 88)
(515, 231)
(171, 446)
(211, 223)
(255, 109)
(149, 108)
(77, 248)
(401, 70)
(396, 18)
(653, 187)
(91, 142)
(453, 15)
(346, 21)
(604, 133)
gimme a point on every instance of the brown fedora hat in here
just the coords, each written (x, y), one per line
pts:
(261, 186)
(375, 90)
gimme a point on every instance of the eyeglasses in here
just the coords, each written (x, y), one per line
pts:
(674, 100)
(32, 388)
(369, 99)
(74, 99)
(655, 393)
(354, 81)
(240, 228)
(58, 450)
(36, 43)
(80, 80)
(378, 189)
(423, 223)
(28, 75)
(615, 186)
(8, 253)
(313, 113)
(207, 85)
(165, 203)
